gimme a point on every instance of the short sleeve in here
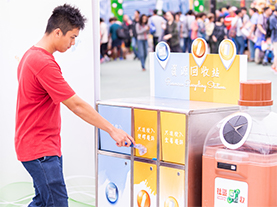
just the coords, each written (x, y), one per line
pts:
(260, 19)
(51, 79)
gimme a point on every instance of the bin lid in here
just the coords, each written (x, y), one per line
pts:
(255, 93)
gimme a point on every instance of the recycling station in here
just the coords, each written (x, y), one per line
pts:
(192, 118)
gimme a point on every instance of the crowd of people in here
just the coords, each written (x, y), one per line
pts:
(254, 33)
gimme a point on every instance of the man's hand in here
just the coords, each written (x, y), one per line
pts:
(121, 138)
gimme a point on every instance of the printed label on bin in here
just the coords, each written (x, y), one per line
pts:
(119, 117)
(172, 196)
(145, 127)
(113, 181)
(230, 193)
(145, 184)
(173, 128)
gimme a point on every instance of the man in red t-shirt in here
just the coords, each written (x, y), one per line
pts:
(41, 89)
(228, 19)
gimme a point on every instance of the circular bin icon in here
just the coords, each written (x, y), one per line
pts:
(235, 130)
(112, 193)
(143, 199)
(171, 202)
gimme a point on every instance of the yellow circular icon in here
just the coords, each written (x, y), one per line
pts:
(227, 49)
(143, 199)
(171, 202)
(199, 48)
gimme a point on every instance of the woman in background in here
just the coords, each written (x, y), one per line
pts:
(172, 33)
(142, 30)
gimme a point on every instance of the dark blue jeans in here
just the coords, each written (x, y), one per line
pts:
(142, 51)
(48, 182)
(240, 44)
(187, 43)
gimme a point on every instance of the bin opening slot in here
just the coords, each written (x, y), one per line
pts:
(226, 166)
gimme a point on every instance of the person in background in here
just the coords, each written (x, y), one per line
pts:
(261, 32)
(41, 90)
(209, 25)
(201, 32)
(273, 27)
(267, 47)
(127, 27)
(194, 28)
(186, 28)
(158, 21)
(254, 20)
(228, 19)
(103, 40)
(245, 17)
(219, 34)
(134, 34)
(239, 40)
(116, 42)
(178, 22)
(142, 30)
(172, 33)
(225, 11)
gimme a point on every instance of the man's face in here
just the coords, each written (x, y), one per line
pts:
(66, 41)
(268, 12)
(136, 14)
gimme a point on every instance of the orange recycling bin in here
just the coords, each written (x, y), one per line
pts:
(240, 153)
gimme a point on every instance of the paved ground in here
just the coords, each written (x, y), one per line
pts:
(125, 79)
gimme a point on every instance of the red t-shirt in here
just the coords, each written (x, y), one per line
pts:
(41, 89)
(228, 20)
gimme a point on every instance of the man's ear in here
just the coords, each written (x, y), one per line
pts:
(58, 32)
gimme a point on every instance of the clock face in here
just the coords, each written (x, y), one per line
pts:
(235, 130)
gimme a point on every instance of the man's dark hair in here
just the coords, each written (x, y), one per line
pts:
(190, 12)
(238, 11)
(219, 18)
(254, 9)
(155, 11)
(243, 8)
(138, 11)
(202, 14)
(266, 8)
(65, 18)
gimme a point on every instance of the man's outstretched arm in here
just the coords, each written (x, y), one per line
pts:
(88, 114)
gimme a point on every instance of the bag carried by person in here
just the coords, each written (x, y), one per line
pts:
(152, 28)
(233, 30)
(121, 33)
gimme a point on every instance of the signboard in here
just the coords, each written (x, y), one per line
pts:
(145, 126)
(173, 131)
(198, 76)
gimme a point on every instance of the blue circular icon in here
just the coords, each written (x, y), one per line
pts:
(162, 51)
(112, 193)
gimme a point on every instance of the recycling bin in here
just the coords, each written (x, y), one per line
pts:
(240, 153)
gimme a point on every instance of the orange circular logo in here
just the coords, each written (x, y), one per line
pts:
(143, 199)
(171, 202)
(227, 49)
(198, 48)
